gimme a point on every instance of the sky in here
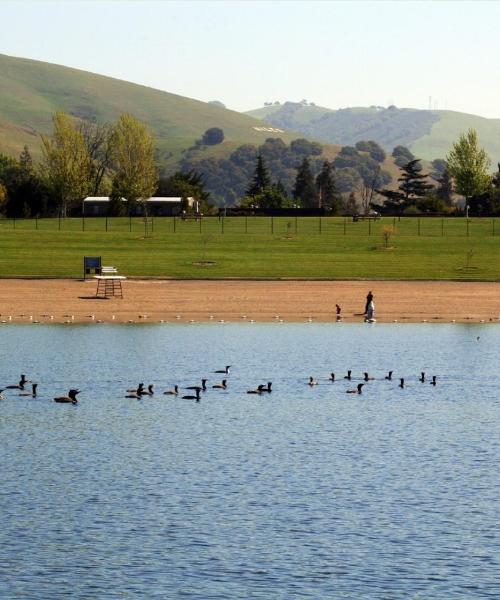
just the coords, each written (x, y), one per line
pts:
(412, 54)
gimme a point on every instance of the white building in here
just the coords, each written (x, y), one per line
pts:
(158, 206)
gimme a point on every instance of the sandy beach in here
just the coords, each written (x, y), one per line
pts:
(49, 300)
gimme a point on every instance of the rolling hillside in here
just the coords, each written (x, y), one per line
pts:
(30, 91)
(428, 134)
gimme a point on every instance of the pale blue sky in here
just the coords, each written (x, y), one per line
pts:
(336, 54)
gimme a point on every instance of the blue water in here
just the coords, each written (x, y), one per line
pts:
(304, 493)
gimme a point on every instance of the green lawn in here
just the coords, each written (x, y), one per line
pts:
(255, 247)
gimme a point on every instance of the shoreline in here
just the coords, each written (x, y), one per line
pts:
(170, 300)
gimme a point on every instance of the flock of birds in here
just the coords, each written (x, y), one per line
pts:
(141, 391)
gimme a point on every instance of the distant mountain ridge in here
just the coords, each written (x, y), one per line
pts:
(31, 91)
(428, 133)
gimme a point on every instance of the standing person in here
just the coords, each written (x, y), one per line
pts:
(339, 310)
(370, 312)
(369, 298)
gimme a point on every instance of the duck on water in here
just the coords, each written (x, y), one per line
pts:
(69, 399)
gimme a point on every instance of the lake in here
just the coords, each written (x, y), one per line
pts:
(307, 492)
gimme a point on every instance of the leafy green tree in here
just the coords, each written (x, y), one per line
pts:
(468, 165)
(98, 138)
(136, 175)
(327, 190)
(261, 179)
(305, 187)
(66, 163)
(186, 185)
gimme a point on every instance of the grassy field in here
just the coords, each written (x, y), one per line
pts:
(255, 247)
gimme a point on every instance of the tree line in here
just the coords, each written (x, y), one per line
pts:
(83, 158)
(119, 160)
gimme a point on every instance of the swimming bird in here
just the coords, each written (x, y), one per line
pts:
(422, 377)
(312, 381)
(220, 386)
(69, 399)
(259, 390)
(33, 391)
(358, 389)
(197, 397)
(348, 376)
(20, 385)
(203, 386)
(138, 389)
(149, 392)
(433, 382)
(173, 392)
(402, 383)
(226, 370)
(389, 376)
(367, 378)
(2, 397)
(268, 388)
(332, 377)
(136, 394)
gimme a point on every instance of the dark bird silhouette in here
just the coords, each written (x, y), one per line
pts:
(149, 392)
(220, 386)
(402, 383)
(312, 381)
(69, 399)
(367, 378)
(259, 390)
(226, 370)
(268, 388)
(173, 392)
(422, 377)
(332, 377)
(348, 376)
(203, 386)
(191, 397)
(358, 389)
(389, 376)
(32, 394)
(433, 382)
(138, 389)
(20, 386)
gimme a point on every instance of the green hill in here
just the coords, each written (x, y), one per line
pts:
(32, 90)
(428, 134)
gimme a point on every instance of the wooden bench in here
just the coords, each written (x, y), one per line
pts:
(109, 270)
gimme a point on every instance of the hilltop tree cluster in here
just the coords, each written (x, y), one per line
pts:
(227, 178)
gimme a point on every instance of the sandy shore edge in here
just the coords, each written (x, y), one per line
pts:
(62, 301)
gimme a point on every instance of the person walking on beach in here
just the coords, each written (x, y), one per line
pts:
(369, 298)
(370, 312)
(339, 310)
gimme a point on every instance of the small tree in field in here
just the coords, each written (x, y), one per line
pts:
(387, 233)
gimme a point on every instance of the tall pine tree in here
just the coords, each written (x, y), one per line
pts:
(261, 179)
(328, 196)
(445, 189)
(412, 187)
(305, 188)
